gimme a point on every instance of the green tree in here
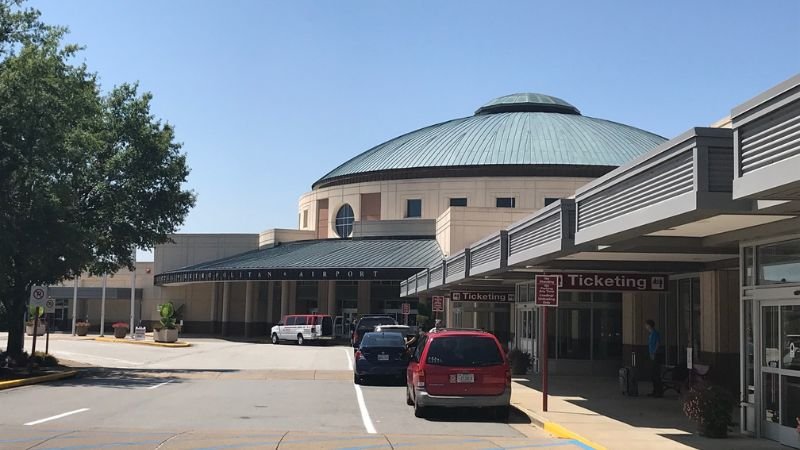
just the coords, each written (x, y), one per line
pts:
(85, 177)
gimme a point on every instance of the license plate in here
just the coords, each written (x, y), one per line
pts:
(383, 357)
(462, 378)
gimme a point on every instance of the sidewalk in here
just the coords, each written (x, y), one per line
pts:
(594, 409)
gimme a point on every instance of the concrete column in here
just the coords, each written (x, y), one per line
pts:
(271, 302)
(292, 297)
(226, 310)
(330, 286)
(284, 299)
(322, 297)
(249, 293)
(364, 299)
(214, 302)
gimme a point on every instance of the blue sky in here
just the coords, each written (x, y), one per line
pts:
(269, 96)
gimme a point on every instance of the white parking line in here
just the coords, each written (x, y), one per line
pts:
(84, 357)
(364, 413)
(156, 386)
(47, 419)
(349, 354)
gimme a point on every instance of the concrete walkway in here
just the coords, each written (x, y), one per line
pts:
(595, 410)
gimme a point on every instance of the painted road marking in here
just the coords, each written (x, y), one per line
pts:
(362, 406)
(48, 419)
(156, 386)
(96, 357)
(349, 354)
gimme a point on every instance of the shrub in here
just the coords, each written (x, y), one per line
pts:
(120, 325)
(520, 361)
(43, 360)
(710, 407)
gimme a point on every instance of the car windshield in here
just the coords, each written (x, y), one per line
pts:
(372, 322)
(464, 351)
(383, 340)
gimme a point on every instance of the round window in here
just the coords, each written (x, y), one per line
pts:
(344, 221)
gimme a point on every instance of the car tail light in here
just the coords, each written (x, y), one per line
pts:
(359, 355)
(421, 379)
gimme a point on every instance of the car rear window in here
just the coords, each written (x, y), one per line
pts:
(372, 322)
(464, 351)
(383, 340)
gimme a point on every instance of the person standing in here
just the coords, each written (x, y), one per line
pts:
(654, 347)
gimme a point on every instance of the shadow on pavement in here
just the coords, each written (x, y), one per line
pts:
(135, 378)
(474, 415)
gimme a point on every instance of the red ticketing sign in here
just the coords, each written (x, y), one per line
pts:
(438, 303)
(547, 290)
(406, 308)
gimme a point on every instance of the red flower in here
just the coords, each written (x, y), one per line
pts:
(119, 325)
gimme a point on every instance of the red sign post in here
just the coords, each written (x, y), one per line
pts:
(546, 297)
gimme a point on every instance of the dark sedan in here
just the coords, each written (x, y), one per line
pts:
(381, 354)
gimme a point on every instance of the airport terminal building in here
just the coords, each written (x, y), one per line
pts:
(700, 233)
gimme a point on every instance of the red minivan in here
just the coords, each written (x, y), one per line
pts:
(459, 368)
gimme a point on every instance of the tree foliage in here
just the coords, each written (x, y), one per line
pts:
(85, 177)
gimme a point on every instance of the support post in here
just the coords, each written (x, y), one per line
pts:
(75, 303)
(248, 308)
(133, 293)
(103, 308)
(226, 300)
(214, 303)
(331, 287)
(544, 360)
(271, 302)
(284, 299)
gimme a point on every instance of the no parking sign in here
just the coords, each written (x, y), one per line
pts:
(39, 296)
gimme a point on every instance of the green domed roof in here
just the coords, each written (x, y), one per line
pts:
(514, 135)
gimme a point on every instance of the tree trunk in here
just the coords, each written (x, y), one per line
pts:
(15, 306)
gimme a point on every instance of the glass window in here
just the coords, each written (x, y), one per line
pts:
(607, 325)
(790, 318)
(747, 279)
(749, 348)
(791, 401)
(413, 207)
(771, 397)
(779, 263)
(549, 200)
(464, 351)
(291, 320)
(344, 221)
(458, 201)
(769, 333)
(506, 202)
(305, 218)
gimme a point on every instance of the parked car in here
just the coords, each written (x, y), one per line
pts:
(459, 368)
(380, 354)
(302, 328)
(367, 324)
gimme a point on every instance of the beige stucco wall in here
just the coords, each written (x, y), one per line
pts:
(458, 227)
(188, 249)
(435, 194)
(270, 237)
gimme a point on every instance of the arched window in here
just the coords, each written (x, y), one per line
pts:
(344, 221)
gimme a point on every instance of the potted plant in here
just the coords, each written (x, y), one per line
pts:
(120, 329)
(82, 327)
(520, 361)
(40, 329)
(710, 407)
(166, 331)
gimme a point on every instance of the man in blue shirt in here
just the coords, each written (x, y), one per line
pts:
(654, 347)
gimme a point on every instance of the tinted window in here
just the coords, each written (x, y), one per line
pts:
(549, 200)
(458, 201)
(506, 202)
(344, 221)
(370, 323)
(290, 320)
(420, 347)
(464, 351)
(414, 208)
(383, 340)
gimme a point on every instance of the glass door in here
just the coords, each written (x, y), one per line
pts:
(780, 371)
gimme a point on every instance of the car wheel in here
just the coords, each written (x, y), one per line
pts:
(409, 400)
(356, 379)
(300, 339)
(419, 411)
(502, 413)
(275, 339)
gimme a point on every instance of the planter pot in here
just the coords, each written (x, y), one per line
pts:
(519, 369)
(165, 335)
(120, 332)
(715, 432)
(40, 330)
(81, 330)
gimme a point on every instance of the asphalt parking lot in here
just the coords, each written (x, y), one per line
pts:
(235, 389)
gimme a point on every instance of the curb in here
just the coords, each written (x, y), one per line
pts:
(36, 380)
(557, 430)
(178, 344)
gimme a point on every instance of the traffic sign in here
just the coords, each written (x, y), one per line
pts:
(406, 308)
(50, 305)
(547, 290)
(39, 296)
(438, 303)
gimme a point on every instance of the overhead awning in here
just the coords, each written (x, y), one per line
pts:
(325, 259)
